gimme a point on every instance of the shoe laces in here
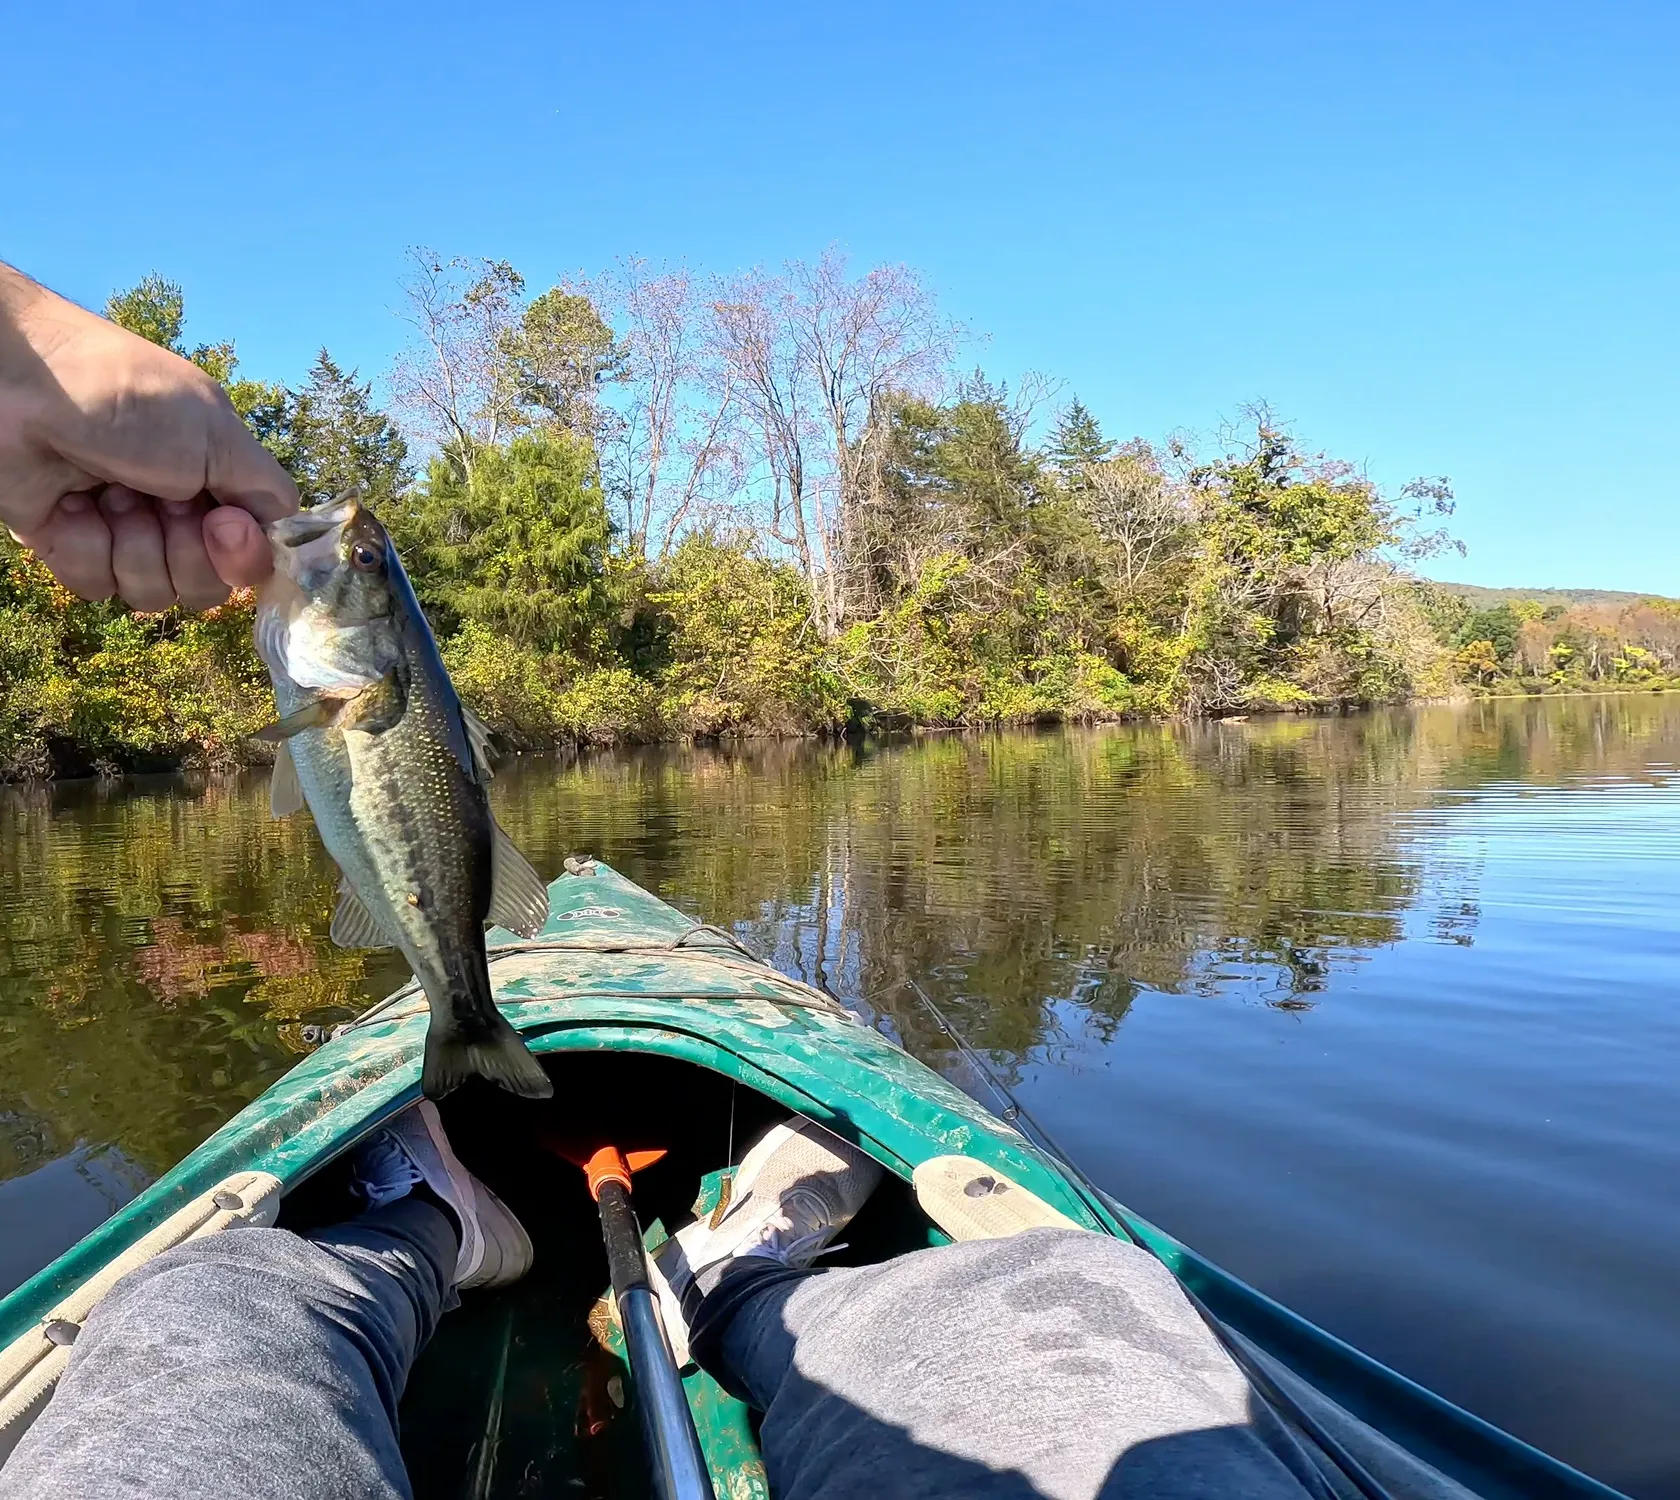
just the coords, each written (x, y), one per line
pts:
(779, 1237)
(385, 1172)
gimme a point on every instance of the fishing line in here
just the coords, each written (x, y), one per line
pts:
(729, 1155)
(1286, 1406)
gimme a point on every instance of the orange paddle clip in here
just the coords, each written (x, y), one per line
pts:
(609, 1164)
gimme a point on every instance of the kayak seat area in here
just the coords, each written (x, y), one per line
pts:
(515, 1396)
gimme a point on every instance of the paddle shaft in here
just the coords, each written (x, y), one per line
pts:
(679, 1466)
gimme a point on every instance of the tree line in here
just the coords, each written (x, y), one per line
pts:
(1532, 646)
(655, 504)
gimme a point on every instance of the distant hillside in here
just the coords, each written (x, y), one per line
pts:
(1484, 598)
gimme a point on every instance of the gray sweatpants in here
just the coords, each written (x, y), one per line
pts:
(1055, 1364)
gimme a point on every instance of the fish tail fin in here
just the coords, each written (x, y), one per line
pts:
(482, 1047)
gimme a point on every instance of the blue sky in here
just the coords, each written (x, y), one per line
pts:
(1441, 238)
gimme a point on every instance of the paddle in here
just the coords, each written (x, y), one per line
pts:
(679, 1465)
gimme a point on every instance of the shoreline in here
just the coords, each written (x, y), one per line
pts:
(165, 767)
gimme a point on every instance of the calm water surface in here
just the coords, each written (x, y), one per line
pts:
(1379, 1012)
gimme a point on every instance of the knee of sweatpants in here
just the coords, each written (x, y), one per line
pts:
(1098, 1264)
(1077, 1251)
(246, 1266)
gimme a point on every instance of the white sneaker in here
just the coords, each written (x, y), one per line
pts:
(495, 1249)
(796, 1189)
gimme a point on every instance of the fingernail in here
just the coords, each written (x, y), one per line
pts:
(226, 525)
(76, 505)
(119, 501)
(179, 507)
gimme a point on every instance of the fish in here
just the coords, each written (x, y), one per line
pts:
(374, 740)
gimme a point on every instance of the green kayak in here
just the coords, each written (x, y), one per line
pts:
(667, 1034)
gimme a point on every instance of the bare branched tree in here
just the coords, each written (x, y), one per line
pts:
(813, 357)
(453, 386)
(753, 349)
(1137, 509)
(671, 451)
(862, 341)
(488, 364)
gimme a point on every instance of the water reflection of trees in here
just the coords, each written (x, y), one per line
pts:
(157, 944)
(1024, 878)
(153, 943)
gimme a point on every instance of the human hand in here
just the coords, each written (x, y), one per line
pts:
(124, 467)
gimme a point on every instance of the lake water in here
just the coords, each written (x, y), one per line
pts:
(1379, 1011)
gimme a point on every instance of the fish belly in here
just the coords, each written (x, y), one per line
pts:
(327, 776)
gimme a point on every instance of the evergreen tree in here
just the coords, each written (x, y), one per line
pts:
(334, 439)
(1501, 626)
(1075, 445)
(981, 459)
(519, 545)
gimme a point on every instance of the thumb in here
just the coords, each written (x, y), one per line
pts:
(238, 549)
(241, 472)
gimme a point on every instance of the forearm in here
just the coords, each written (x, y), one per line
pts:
(25, 309)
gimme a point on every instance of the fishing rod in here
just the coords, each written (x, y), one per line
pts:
(1284, 1405)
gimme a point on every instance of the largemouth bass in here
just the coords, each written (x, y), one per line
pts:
(374, 740)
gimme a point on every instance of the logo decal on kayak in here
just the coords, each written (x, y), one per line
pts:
(587, 911)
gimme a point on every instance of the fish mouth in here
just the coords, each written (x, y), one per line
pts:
(311, 525)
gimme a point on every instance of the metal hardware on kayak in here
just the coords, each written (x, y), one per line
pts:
(673, 1442)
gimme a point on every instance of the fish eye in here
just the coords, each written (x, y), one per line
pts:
(364, 557)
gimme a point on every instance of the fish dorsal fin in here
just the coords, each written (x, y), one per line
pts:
(518, 898)
(285, 791)
(353, 925)
(480, 737)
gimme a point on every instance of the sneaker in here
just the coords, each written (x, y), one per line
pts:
(411, 1150)
(792, 1194)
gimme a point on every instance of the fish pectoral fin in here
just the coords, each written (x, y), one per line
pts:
(285, 791)
(316, 714)
(354, 926)
(378, 707)
(518, 897)
(482, 739)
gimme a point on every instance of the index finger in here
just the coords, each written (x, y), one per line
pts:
(240, 471)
